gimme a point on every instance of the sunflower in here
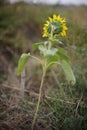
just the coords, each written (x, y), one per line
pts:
(55, 26)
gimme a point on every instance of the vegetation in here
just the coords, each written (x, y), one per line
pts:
(63, 106)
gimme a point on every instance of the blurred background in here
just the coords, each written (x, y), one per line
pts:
(64, 107)
(63, 2)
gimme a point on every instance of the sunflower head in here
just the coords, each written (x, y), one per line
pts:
(55, 26)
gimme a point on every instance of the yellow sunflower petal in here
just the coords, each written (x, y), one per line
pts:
(54, 17)
(64, 27)
(63, 33)
(50, 19)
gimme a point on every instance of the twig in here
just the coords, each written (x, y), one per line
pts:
(57, 81)
(61, 100)
(36, 94)
(18, 89)
(22, 87)
(78, 103)
(47, 115)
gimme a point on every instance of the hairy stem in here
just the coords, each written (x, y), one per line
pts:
(36, 58)
(39, 99)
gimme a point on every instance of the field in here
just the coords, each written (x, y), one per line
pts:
(63, 106)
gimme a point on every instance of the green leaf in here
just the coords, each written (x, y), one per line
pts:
(46, 51)
(68, 72)
(22, 61)
(55, 41)
(52, 51)
(42, 49)
(52, 60)
(63, 54)
(36, 45)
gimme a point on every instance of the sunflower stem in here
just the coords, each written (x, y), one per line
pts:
(40, 94)
(52, 30)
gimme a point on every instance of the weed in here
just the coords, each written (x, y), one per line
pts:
(53, 28)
